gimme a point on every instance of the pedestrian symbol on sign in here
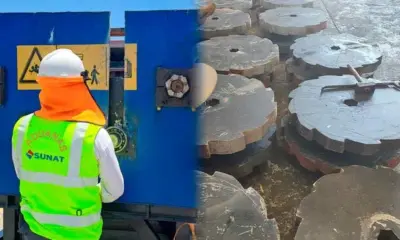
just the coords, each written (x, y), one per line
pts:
(94, 74)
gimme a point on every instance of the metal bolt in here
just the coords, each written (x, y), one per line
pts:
(177, 86)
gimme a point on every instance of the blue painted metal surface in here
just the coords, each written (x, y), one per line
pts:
(163, 171)
(34, 29)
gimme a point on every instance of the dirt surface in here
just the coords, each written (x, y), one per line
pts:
(282, 182)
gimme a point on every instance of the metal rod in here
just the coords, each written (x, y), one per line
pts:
(355, 73)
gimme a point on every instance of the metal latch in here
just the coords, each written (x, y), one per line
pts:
(362, 90)
(2, 85)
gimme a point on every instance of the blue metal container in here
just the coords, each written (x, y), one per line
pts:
(160, 172)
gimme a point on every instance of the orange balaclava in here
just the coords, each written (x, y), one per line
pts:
(64, 95)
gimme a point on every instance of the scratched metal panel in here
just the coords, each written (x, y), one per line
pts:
(166, 156)
(38, 29)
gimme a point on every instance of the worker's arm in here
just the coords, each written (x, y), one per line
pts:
(112, 182)
(16, 156)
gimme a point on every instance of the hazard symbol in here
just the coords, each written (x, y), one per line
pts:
(31, 68)
(94, 56)
(28, 62)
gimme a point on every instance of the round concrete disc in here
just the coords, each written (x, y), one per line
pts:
(204, 85)
(298, 74)
(271, 4)
(230, 212)
(246, 55)
(224, 22)
(245, 112)
(315, 158)
(242, 163)
(355, 204)
(293, 21)
(242, 5)
(330, 54)
(332, 121)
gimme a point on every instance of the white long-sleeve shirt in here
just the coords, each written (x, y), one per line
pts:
(112, 181)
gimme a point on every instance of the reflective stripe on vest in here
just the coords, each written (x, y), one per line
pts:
(69, 181)
(72, 179)
(64, 220)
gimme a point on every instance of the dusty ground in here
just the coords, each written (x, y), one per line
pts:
(282, 183)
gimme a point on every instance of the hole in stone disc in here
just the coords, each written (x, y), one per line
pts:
(350, 102)
(214, 18)
(212, 102)
(335, 47)
(293, 15)
(234, 50)
(387, 235)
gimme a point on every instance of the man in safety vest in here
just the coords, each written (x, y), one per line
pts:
(59, 153)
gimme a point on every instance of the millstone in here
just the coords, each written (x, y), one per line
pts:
(339, 123)
(297, 74)
(271, 4)
(239, 112)
(286, 24)
(242, 163)
(224, 22)
(295, 21)
(330, 54)
(230, 212)
(248, 55)
(315, 158)
(242, 5)
(355, 204)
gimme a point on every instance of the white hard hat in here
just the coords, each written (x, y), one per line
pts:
(61, 63)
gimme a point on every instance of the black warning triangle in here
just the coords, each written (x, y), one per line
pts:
(35, 50)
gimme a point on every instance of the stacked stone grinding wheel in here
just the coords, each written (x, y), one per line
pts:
(284, 25)
(242, 5)
(230, 212)
(329, 130)
(318, 55)
(237, 121)
(271, 4)
(249, 55)
(225, 22)
(246, 6)
(357, 203)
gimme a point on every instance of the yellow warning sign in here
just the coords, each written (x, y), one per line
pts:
(95, 58)
(130, 66)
